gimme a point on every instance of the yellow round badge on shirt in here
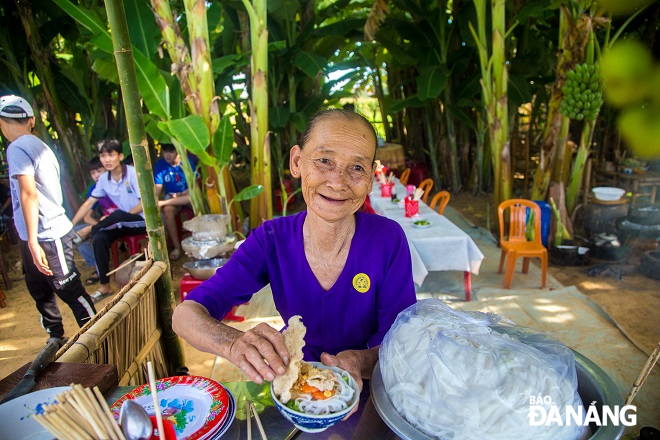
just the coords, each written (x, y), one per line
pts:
(361, 282)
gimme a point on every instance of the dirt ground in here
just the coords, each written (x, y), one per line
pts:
(632, 302)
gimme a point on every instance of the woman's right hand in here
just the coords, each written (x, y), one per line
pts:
(260, 353)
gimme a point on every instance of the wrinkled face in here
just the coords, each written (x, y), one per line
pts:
(171, 157)
(111, 159)
(97, 173)
(336, 167)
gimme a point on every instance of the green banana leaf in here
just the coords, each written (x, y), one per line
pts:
(223, 141)
(248, 193)
(191, 132)
(151, 84)
(310, 63)
(431, 82)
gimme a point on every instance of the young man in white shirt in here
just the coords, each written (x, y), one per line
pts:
(120, 185)
(44, 229)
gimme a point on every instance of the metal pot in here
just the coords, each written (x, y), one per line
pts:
(204, 269)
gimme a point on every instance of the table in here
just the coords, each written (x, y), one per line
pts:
(365, 423)
(634, 182)
(59, 374)
(442, 246)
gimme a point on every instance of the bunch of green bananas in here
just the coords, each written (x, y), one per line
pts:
(582, 95)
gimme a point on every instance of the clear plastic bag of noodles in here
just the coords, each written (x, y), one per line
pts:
(456, 375)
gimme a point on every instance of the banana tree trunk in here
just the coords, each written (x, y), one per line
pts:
(451, 137)
(499, 125)
(554, 140)
(427, 112)
(575, 182)
(179, 54)
(480, 164)
(140, 149)
(556, 129)
(182, 68)
(562, 164)
(494, 79)
(261, 207)
(380, 95)
(201, 59)
(206, 104)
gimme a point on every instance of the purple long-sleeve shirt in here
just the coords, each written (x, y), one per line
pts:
(374, 286)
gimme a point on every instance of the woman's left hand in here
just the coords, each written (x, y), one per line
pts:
(350, 361)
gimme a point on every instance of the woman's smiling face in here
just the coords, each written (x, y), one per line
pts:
(336, 167)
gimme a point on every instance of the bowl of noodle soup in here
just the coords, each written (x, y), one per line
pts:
(318, 415)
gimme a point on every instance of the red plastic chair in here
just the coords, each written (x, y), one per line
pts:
(132, 242)
(515, 245)
(190, 214)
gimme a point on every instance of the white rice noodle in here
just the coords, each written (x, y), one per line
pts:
(336, 403)
(454, 377)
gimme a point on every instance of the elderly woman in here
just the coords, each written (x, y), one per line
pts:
(348, 274)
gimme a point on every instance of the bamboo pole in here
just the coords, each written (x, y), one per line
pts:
(140, 149)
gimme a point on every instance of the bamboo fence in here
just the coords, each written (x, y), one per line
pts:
(126, 332)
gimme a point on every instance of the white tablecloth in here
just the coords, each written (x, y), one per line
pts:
(442, 246)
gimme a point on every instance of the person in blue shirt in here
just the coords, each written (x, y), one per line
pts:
(168, 175)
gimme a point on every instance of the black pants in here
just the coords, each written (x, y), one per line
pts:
(64, 283)
(116, 225)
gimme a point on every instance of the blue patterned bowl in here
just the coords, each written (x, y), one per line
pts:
(310, 422)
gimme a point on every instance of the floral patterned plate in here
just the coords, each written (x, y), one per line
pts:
(196, 406)
(228, 421)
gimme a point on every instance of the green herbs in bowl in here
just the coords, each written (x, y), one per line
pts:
(422, 223)
(395, 200)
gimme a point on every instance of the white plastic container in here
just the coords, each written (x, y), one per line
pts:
(608, 194)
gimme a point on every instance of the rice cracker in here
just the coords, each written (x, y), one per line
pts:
(294, 339)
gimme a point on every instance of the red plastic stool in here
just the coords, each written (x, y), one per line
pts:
(131, 241)
(188, 283)
(190, 214)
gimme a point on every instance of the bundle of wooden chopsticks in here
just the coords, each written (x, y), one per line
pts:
(417, 194)
(385, 181)
(80, 413)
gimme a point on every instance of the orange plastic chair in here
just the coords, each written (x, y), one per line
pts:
(442, 197)
(404, 176)
(427, 186)
(515, 244)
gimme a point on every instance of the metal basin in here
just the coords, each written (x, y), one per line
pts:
(594, 385)
(204, 269)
